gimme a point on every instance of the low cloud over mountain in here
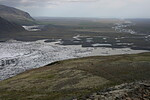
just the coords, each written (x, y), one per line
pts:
(83, 8)
(38, 2)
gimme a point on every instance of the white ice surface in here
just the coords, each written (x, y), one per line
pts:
(32, 28)
(98, 44)
(29, 55)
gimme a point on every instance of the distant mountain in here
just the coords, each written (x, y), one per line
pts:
(6, 26)
(16, 15)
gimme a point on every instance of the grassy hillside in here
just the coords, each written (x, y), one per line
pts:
(16, 16)
(6, 26)
(75, 78)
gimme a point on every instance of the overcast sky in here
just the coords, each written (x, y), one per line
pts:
(83, 8)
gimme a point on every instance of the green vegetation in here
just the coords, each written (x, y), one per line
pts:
(16, 16)
(76, 77)
(6, 26)
(97, 29)
(141, 25)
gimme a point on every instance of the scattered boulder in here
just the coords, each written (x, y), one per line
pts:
(127, 91)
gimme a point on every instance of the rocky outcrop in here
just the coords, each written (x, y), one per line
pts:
(128, 91)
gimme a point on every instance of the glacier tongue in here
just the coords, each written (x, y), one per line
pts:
(17, 57)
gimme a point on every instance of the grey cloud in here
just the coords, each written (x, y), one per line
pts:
(83, 8)
(38, 3)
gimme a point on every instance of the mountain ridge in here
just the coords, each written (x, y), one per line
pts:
(16, 15)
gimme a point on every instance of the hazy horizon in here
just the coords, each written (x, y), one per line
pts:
(83, 8)
(74, 17)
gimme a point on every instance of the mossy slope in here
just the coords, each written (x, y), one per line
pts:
(74, 78)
